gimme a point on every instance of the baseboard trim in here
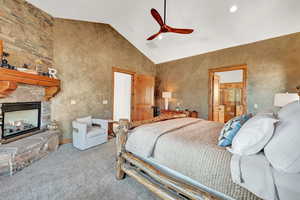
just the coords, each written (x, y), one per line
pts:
(65, 141)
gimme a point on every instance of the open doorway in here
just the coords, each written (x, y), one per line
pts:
(133, 95)
(227, 93)
(123, 90)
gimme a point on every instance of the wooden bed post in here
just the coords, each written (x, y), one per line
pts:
(121, 141)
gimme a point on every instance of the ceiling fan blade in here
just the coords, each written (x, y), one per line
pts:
(157, 17)
(180, 30)
(154, 36)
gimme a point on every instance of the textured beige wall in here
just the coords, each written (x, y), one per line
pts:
(274, 66)
(84, 54)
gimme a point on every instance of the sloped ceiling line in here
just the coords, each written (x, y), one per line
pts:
(215, 26)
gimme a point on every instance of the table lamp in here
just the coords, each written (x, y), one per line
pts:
(282, 99)
(167, 96)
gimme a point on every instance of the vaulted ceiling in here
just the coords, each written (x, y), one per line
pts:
(215, 26)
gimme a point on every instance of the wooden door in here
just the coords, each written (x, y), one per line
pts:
(216, 97)
(143, 97)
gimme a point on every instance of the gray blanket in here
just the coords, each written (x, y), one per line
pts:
(142, 140)
(190, 149)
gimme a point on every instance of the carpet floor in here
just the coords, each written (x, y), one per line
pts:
(72, 174)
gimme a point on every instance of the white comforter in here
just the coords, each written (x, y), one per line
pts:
(257, 175)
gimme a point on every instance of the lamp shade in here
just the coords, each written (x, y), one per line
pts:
(167, 95)
(282, 99)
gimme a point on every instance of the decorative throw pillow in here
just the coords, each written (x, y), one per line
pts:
(283, 150)
(254, 135)
(231, 128)
(87, 120)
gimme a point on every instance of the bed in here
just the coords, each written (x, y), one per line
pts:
(177, 158)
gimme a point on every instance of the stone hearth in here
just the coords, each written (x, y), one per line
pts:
(19, 154)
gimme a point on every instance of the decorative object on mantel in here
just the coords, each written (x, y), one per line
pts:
(282, 99)
(9, 80)
(39, 66)
(53, 126)
(4, 61)
(167, 96)
(4, 64)
(26, 69)
(23, 69)
(52, 73)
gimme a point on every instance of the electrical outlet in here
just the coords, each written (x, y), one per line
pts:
(105, 102)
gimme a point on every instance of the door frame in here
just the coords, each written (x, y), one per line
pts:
(124, 71)
(211, 73)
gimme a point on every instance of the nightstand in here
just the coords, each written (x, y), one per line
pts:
(111, 132)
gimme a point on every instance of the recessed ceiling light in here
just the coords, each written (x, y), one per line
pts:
(233, 8)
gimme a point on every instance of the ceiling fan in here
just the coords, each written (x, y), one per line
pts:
(164, 28)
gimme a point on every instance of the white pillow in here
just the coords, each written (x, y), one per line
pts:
(86, 120)
(283, 151)
(254, 135)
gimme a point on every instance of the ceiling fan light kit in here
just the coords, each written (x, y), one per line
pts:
(164, 28)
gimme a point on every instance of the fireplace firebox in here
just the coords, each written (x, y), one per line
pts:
(20, 118)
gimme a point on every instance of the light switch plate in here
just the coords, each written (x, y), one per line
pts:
(105, 102)
(73, 102)
(255, 106)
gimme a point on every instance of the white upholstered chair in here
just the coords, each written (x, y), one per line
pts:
(88, 132)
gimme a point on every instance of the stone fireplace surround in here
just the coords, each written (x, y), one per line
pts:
(16, 155)
(30, 93)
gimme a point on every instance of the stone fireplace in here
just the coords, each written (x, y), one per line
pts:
(21, 108)
(24, 117)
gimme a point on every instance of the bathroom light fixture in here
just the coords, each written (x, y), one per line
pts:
(233, 9)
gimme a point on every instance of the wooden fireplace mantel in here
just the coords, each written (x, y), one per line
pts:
(9, 80)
